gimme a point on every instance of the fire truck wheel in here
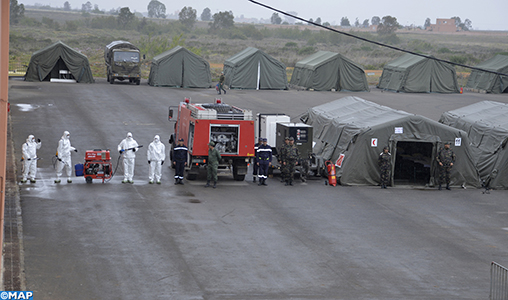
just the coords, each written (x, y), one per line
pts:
(88, 179)
(138, 82)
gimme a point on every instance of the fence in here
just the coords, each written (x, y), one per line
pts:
(17, 68)
(498, 282)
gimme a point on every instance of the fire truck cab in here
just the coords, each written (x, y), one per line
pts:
(230, 127)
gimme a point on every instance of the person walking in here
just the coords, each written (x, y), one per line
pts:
(156, 155)
(63, 153)
(180, 161)
(221, 83)
(29, 150)
(212, 164)
(446, 159)
(128, 148)
(264, 160)
(292, 156)
(385, 165)
(255, 166)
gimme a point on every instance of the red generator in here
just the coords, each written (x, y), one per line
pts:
(97, 165)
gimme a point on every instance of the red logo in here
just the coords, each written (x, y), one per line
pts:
(339, 161)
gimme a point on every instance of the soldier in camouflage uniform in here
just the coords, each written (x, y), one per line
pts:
(282, 159)
(291, 160)
(445, 158)
(385, 164)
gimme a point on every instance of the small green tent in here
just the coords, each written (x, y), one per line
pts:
(487, 127)
(48, 62)
(324, 71)
(179, 67)
(492, 83)
(415, 74)
(254, 69)
(351, 132)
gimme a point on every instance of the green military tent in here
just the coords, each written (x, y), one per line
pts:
(487, 127)
(324, 71)
(55, 59)
(179, 67)
(254, 69)
(351, 132)
(415, 74)
(490, 82)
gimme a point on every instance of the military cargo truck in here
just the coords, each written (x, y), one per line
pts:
(123, 62)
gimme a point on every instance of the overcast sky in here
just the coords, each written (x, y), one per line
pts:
(485, 14)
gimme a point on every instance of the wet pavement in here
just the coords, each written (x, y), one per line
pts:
(239, 241)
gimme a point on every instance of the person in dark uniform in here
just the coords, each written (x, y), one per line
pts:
(445, 158)
(264, 160)
(385, 164)
(180, 161)
(255, 167)
(292, 157)
(221, 83)
(282, 159)
(212, 164)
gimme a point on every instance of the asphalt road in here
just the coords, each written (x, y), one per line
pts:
(239, 241)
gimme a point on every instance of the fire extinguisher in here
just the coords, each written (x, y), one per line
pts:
(332, 178)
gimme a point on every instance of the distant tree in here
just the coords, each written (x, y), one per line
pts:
(318, 21)
(375, 20)
(222, 20)
(67, 6)
(96, 9)
(468, 25)
(275, 19)
(388, 25)
(344, 22)
(327, 24)
(310, 21)
(206, 15)
(187, 16)
(156, 9)
(125, 17)
(457, 21)
(427, 23)
(357, 23)
(17, 11)
(87, 7)
(365, 23)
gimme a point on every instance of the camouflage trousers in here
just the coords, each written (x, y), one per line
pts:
(283, 171)
(289, 169)
(385, 176)
(444, 174)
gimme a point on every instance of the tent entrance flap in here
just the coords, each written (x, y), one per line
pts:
(59, 70)
(413, 161)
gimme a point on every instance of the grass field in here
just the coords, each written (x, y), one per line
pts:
(468, 48)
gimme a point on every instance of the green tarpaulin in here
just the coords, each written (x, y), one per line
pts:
(486, 124)
(415, 74)
(254, 69)
(354, 131)
(324, 71)
(47, 63)
(492, 83)
(179, 67)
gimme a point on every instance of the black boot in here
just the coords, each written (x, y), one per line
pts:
(254, 179)
(207, 183)
(264, 181)
(287, 182)
(180, 181)
(439, 188)
(214, 184)
(291, 182)
(448, 186)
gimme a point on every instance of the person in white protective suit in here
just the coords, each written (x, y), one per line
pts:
(128, 148)
(156, 155)
(29, 150)
(63, 154)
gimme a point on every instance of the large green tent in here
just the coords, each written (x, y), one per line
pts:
(179, 67)
(490, 82)
(487, 127)
(48, 62)
(254, 69)
(324, 71)
(415, 74)
(351, 132)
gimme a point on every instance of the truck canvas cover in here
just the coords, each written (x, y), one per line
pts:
(179, 67)
(108, 51)
(356, 130)
(324, 71)
(46, 64)
(486, 124)
(415, 74)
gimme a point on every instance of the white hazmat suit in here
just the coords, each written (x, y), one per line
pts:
(29, 150)
(64, 157)
(127, 148)
(156, 155)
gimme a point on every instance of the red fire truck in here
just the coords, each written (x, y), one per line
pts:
(230, 127)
